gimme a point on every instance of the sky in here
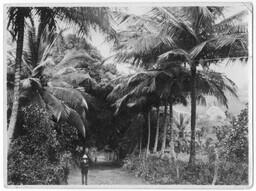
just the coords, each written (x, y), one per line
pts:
(236, 71)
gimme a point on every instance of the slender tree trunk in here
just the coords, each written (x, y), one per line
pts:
(192, 157)
(140, 143)
(148, 143)
(157, 130)
(174, 156)
(141, 138)
(15, 105)
(171, 131)
(216, 167)
(165, 129)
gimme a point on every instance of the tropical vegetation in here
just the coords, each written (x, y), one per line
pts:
(63, 95)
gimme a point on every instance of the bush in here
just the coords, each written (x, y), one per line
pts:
(163, 171)
(234, 139)
(34, 157)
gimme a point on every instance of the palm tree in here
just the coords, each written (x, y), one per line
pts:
(16, 25)
(60, 99)
(203, 40)
(147, 89)
(83, 17)
(190, 35)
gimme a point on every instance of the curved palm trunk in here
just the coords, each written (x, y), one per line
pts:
(148, 143)
(157, 130)
(192, 157)
(165, 129)
(19, 50)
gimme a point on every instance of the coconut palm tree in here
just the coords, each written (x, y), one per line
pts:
(61, 99)
(189, 35)
(16, 23)
(203, 39)
(146, 89)
(169, 88)
(82, 17)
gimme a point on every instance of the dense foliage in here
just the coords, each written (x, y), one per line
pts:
(163, 171)
(232, 146)
(35, 158)
(234, 138)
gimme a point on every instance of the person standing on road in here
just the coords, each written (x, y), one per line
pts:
(85, 166)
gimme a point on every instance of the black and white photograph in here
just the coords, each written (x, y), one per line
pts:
(119, 95)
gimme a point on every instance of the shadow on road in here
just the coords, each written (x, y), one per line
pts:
(105, 165)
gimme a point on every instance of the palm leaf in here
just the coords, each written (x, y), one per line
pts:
(77, 121)
(56, 107)
(74, 55)
(120, 103)
(231, 21)
(58, 83)
(83, 18)
(72, 97)
(31, 83)
(216, 84)
(179, 52)
(62, 112)
(197, 49)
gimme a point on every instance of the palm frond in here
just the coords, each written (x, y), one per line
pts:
(77, 79)
(31, 83)
(86, 17)
(74, 55)
(131, 19)
(62, 112)
(58, 83)
(75, 120)
(40, 68)
(228, 40)
(72, 97)
(175, 52)
(197, 49)
(231, 21)
(216, 84)
(56, 107)
(173, 20)
(120, 103)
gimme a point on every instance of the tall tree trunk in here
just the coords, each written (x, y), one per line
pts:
(171, 131)
(148, 143)
(157, 130)
(173, 154)
(216, 166)
(140, 142)
(19, 50)
(192, 157)
(165, 129)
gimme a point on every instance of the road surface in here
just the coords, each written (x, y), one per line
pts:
(105, 174)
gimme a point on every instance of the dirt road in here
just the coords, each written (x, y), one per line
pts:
(106, 174)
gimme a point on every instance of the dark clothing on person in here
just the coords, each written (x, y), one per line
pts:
(84, 168)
